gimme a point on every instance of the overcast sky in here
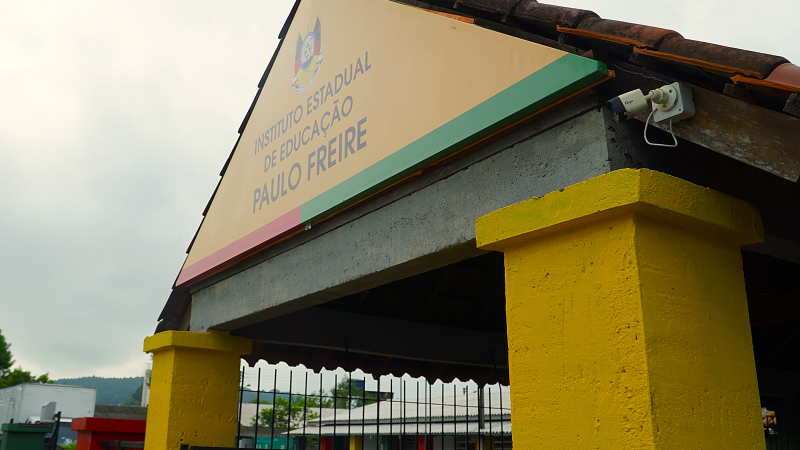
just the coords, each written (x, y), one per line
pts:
(115, 119)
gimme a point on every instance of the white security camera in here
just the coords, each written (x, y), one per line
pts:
(672, 101)
(629, 103)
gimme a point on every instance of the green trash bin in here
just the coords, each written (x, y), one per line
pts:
(22, 436)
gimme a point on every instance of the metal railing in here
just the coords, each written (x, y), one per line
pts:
(295, 408)
(783, 433)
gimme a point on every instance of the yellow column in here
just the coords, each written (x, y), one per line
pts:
(355, 442)
(193, 389)
(488, 442)
(627, 315)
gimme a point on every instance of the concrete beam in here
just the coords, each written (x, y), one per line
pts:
(425, 229)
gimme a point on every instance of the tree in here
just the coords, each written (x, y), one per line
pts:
(347, 395)
(136, 398)
(17, 376)
(284, 417)
(6, 360)
(319, 400)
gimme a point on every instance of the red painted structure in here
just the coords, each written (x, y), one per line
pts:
(326, 444)
(93, 430)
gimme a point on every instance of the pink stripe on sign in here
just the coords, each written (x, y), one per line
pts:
(247, 245)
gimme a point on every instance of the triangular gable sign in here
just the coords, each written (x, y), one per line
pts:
(362, 93)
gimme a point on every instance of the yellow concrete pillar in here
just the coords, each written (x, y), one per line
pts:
(627, 315)
(355, 442)
(193, 389)
(488, 442)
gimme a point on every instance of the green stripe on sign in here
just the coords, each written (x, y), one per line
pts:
(550, 83)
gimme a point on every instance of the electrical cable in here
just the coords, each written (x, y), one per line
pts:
(670, 132)
(639, 73)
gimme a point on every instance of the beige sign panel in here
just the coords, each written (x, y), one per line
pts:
(361, 93)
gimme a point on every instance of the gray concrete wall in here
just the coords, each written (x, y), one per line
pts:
(429, 228)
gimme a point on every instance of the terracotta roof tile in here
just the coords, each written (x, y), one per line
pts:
(718, 57)
(785, 77)
(493, 6)
(786, 74)
(557, 15)
(658, 42)
(621, 32)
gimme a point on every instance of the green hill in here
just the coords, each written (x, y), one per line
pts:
(110, 391)
(249, 396)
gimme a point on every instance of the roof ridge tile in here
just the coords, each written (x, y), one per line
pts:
(718, 57)
(493, 6)
(530, 10)
(621, 32)
(785, 77)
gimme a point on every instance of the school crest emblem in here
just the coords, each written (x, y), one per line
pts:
(308, 58)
